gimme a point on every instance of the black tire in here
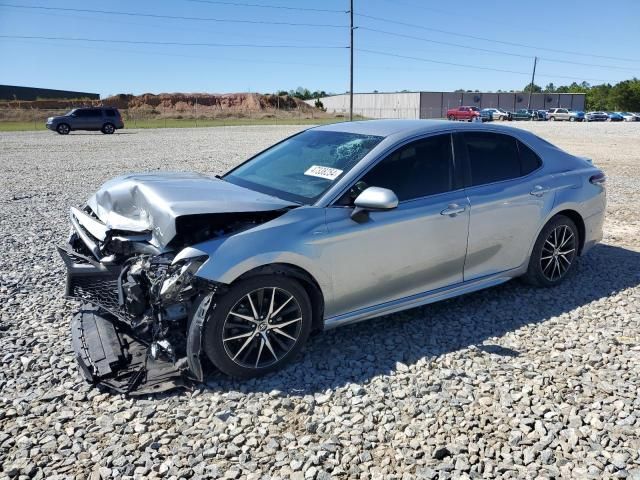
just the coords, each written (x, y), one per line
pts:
(63, 129)
(251, 360)
(552, 119)
(572, 119)
(108, 128)
(545, 259)
(451, 117)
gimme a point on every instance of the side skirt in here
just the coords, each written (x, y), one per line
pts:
(420, 299)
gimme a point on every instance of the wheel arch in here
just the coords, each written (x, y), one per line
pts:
(307, 281)
(572, 215)
(579, 221)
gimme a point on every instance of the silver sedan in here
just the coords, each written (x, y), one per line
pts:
(334, 225)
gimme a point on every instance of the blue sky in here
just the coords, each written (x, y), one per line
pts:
(452, 32)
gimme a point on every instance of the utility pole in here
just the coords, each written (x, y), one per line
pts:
(351, 64)
(533, 77)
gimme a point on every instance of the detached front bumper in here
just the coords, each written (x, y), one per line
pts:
(108, 354)
(108, 351)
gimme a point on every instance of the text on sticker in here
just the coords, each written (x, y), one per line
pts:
(323, 172)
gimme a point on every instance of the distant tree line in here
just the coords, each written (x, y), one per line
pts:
(623, 96)
(303, 93)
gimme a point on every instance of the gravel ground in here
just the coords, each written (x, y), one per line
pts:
(511, 382)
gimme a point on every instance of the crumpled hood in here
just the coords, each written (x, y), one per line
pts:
(151, 202)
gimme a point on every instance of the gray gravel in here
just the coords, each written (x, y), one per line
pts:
(511, 382)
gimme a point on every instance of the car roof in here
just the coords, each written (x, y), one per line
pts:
(408, 128)
(94, 108)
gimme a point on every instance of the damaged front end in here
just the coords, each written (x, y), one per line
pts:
(140, 331)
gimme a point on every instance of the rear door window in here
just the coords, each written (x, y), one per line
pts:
(493, 157)
(110, 112)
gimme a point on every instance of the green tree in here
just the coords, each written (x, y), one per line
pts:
(626, 95)
(599, 97)
(532, 88)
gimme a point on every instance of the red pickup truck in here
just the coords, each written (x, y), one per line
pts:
(463, 113)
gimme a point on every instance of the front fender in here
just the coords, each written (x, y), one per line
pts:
(295, 238)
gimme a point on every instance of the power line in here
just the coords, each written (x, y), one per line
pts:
(173, 17)
(439, 42)
(409, 57)
(503, 42)
(489, 50)
(180, 28)
(476, 67)
(279, 7)
(199, 57)
(149, 42)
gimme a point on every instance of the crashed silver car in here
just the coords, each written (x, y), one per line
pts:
(183, 273)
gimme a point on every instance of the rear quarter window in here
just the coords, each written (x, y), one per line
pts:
(529, 160)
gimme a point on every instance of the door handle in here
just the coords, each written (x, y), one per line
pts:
(539, 190)
(453, 209)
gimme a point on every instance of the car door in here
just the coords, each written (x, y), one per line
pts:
(95, 120)
(418, 246)
(508, 199)
(80, 119)
(563, 114)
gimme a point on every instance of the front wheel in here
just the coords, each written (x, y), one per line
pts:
(63, 129)
(451, 117)
(554, 253)
(258, 326)
(552, 119)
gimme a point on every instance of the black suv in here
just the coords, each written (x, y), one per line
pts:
(105, 119)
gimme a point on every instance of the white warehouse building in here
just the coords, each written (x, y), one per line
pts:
(375, 105)
(435, 104)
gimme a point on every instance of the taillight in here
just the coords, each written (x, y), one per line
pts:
(598, 179)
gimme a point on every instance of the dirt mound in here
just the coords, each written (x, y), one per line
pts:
(231, 102)
(168, 103)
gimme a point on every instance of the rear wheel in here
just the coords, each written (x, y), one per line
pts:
(258, 326)
(554, 253)
(63, 129)
(108, 128)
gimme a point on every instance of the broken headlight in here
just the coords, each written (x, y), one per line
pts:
(177, 284)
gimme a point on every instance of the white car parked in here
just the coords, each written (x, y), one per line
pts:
(498, 114)
(629, 117)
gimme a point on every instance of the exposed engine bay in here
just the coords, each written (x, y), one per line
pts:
(139, 331)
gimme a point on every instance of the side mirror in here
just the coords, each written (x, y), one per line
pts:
(373, 198)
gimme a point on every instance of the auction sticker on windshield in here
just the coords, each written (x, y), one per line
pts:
(323, 172)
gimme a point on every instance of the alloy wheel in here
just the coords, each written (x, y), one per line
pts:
(63, 128)
(558, 253)
(262, 327)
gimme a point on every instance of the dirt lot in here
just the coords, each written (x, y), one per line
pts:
(511, 382)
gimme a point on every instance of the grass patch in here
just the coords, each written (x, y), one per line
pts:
(21, 126)
(10, 126)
